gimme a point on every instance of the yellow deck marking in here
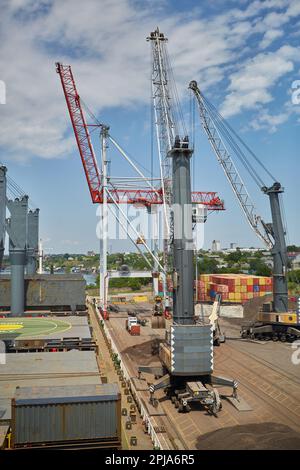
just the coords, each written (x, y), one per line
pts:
(44, 326)
(10, 326)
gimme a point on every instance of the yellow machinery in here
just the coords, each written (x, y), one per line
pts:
(141, 240)
(283, 326)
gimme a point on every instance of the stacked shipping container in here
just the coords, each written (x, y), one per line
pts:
(169, 287)
(234, 288)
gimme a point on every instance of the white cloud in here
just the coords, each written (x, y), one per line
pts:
(270, 36)
(276, 19)
(251, 84)
(294, 8)
(105, 43)
(270, 122)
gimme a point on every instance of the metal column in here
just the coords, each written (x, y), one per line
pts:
(40, 256)
(280, 289)
(104, 227)
(17, 231)
(32, 242)
(183, 246)
(2, 211)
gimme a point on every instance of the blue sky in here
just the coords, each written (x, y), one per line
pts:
(244, 55)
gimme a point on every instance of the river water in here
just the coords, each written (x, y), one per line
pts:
(90, 279)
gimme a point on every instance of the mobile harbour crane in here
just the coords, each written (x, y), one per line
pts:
(275, 321)
(186, 355)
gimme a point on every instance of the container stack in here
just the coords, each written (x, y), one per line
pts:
(234, 288)
(169, 287)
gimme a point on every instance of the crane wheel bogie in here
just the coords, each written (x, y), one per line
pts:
(208, 398)
(272, 332)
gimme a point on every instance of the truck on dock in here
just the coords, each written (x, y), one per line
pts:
(132, 326)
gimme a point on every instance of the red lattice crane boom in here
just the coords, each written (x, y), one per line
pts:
(146, 197)
(81, 132)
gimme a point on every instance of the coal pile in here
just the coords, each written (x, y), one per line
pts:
(145, 353)
(258, 436)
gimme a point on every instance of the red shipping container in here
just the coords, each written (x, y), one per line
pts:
(249, 288)
(219, 279)
(222, 289)
(255, 281)
(135, 330)
(243, 281)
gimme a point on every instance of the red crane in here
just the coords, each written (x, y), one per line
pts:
(146, 197)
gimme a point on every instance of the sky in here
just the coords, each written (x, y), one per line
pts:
(244, 55)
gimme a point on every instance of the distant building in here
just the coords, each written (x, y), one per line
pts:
(245, 267)
(233, 246)
(296, 262)
(91, 253)
(222, 265)
(215, 257)
(292, 255)
(216, 245)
